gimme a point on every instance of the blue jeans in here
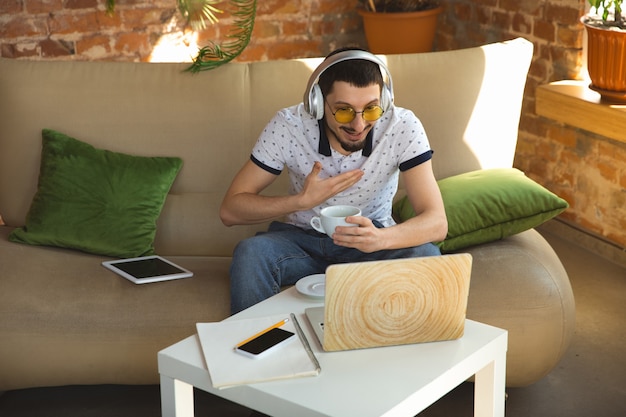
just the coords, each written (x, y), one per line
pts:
(285, 253)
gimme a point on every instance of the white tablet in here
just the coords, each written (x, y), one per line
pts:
(147, 269)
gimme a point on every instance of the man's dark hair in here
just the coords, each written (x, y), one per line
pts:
(356, 72)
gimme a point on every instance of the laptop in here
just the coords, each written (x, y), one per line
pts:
(393, 302)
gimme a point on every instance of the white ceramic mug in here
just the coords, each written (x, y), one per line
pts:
(333, 216)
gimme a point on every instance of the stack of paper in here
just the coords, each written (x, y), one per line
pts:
(228, 368)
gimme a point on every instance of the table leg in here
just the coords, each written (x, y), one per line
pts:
(489, 394)
(176, 398)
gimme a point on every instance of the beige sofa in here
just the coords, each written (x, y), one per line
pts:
(64, 319)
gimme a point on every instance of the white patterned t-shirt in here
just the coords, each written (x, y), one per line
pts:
(295, 140)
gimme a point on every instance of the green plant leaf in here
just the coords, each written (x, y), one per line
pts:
(110, 7)
(238, 37)
(605, 7)
(199, 12)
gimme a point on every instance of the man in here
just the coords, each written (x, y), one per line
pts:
(345, 144)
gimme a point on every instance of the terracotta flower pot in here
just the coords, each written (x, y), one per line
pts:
(397, 33)
(606, 59)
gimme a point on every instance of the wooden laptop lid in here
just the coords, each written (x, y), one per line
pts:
(402, 301)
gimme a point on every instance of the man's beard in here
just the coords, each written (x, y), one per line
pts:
(349, 146)
(352, 146)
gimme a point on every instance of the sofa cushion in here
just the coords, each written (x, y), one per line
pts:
(487, 205)
(95, 200)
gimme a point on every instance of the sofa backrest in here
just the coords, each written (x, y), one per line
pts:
(469, 101)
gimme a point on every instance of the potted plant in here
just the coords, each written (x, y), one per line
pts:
(399, 26)
(606, 48)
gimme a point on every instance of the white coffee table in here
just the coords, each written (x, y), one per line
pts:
(390, 381)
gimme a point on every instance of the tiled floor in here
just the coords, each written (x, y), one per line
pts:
(589, 381)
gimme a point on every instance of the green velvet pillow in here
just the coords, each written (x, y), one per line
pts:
(95, 200)
(487, 205)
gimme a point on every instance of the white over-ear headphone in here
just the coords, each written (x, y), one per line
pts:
(313, 97)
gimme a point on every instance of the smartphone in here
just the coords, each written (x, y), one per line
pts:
(265, 343)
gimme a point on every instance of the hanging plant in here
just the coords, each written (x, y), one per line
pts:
(199, 12)
(237, 38)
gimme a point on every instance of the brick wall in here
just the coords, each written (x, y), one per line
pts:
(82, 30)
(589, 171)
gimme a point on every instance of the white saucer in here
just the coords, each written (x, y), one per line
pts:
(312, 286)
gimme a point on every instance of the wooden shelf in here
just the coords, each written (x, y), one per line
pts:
(573, 103)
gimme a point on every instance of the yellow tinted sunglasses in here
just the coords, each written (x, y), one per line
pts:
(347, 114)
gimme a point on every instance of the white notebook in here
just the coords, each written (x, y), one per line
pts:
(228, 368)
